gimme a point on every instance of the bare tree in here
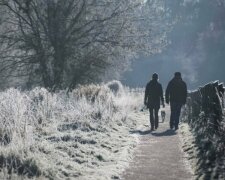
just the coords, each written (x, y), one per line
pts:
(57, 43)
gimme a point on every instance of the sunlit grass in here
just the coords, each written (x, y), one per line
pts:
(59, 135)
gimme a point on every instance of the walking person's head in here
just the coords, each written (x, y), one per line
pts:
(155, 76)
(177, 75)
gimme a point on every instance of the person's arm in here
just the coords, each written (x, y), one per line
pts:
(146, 95)
(185, 93)
(168, 93)
(161, 95)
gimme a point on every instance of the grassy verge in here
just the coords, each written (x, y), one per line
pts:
(205, 154)
(82, 134)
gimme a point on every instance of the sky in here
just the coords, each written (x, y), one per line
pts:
(197, 47)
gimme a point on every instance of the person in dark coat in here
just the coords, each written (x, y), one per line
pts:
(176, 95)
(153, 94)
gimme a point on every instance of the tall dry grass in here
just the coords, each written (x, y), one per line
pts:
(58, 135)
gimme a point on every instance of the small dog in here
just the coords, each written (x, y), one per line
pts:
(163, 115)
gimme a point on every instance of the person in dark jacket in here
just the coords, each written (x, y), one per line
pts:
(153, 94)
(176, 95)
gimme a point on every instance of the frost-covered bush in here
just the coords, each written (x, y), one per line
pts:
(44, 106)
(116, 87)
(44, 133)
(92, 92)
(15, 117)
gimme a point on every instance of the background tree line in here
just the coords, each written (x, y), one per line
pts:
(196, 48)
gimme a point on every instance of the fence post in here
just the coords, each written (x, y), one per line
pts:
(208, 99)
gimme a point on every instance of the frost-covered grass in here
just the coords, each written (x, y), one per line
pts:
(189, 146)
(83, 134)
(205, 148)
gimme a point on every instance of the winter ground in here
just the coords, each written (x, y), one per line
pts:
(80, 135)
(95, 132)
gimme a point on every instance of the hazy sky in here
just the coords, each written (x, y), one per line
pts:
(197, 47)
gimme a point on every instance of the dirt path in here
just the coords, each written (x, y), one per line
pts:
(159, 155)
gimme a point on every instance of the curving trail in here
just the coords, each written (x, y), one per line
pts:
(159, 155)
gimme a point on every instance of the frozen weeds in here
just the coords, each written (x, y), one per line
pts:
(80, 135)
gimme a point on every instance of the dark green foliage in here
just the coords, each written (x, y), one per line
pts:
(67, 138)
(115, 177)
(86, 127)
(5, 138)
(100, 157)
(14, 164)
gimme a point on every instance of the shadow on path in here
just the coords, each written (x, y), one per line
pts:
(140, 132)
(168, 132)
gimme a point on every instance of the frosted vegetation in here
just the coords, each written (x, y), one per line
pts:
(59, 44)
(82, 134)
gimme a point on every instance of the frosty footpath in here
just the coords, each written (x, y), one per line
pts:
(159, 154)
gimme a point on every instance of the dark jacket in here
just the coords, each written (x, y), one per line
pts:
(153, 93)
(176, 91)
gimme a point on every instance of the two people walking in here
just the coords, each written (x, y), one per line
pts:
(176, 94)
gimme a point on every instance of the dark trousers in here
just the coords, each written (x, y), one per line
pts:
(175, 114)
(154, 118)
